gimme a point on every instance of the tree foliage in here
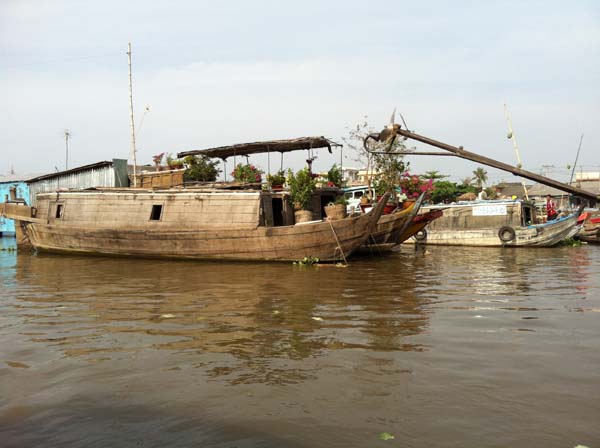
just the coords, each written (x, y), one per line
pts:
(480, 176)
(445, 191)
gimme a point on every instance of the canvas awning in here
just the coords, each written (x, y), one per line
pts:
(243, 149)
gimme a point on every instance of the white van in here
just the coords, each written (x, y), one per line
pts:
(353, 195)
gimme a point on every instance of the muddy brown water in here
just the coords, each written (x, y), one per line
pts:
(452, 347)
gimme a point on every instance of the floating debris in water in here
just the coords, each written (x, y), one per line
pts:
(570, 242)
(307, 261)
(317, 318)
(17, 365)
(167, 316)
(386, 436)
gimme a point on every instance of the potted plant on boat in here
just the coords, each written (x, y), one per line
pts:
(334, 177)
(248, 174)
(302, 186)
(174, 164)
(157, 159)
(200, 169)
(276, 180)
(338, 209)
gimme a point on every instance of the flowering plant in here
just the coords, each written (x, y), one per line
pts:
(412, 185)
(157, 159)
(246, 173)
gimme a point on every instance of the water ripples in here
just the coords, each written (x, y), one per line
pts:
(424, 327)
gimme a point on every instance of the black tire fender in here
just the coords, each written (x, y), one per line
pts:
(506, 234)
(421, 235)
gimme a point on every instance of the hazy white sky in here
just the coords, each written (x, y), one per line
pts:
(217, 73)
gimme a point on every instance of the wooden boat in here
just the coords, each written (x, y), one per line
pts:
(397, 227)
(418, 224)
(590, 233)
(495, 223)
(185, 223)
(390, 226)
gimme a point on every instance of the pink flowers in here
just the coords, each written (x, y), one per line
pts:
(412, 185)
(247, 174)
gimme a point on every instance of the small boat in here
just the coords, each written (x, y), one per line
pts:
(590, 232)
(495, 223)
(186, 223)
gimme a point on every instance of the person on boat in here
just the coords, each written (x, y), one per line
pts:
(551, 213)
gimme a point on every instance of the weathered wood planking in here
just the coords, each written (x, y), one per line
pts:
(199, 225)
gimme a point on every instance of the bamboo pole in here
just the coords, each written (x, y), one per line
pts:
(132, 122)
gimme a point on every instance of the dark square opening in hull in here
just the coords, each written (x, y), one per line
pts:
(156, 212)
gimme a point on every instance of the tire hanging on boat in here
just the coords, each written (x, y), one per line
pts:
(506, 234)
(421, 235)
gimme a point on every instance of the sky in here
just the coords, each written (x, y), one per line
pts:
(219, 73)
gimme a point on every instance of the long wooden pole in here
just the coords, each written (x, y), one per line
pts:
(511, 136)
(132, 122)
(576, 159)
(460, 152)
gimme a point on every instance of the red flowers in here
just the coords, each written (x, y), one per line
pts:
(247, 174)
(412, 185)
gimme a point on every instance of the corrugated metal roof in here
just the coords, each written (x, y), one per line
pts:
(282, 146)
(18, 177)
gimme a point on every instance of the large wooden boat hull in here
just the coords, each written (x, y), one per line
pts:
(279, 243)
(130, 236)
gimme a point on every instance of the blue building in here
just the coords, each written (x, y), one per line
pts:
(7, 226)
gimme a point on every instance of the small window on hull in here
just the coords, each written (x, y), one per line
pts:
(59, 211)
(156, 213)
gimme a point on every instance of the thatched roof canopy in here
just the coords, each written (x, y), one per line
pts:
(242, 149)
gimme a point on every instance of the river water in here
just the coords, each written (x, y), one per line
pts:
(452, 347)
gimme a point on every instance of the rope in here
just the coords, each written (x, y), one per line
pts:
(338, 242)
(374, 246)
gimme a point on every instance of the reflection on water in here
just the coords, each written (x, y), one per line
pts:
(430, 344)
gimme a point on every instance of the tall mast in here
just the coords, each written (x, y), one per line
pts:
(511, 136)
(576, 159)
(133, 150)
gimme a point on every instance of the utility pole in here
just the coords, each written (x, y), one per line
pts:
(511, 136)
(67, 135)
(132, 123)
